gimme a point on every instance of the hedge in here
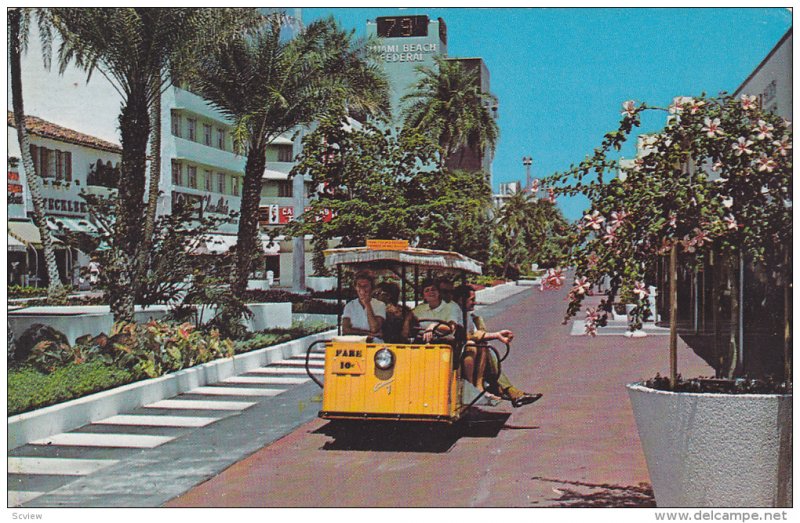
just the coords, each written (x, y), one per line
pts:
(29, 389)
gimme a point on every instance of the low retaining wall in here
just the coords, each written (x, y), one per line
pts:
(77, 320)
(70, 415)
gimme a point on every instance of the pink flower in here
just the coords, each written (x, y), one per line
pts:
(717, 166)
(688, 243)
(610, 236)
(748, 102)
(617, 218)
(765, 163)
(700, 237)
(554, 279)
(712, 128)
(582, 286)
(763, 129)
(730, 222)
(673, 219)
(629, 109)
(783, 146)
(695, 105)
(640, 289)
(638, 164)
(591, 329)
(594, 220)
(741, 146)
(592, 260)
(551, 195)
(727, 202)
(592, 316)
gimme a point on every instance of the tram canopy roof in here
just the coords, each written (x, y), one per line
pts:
(424, 258)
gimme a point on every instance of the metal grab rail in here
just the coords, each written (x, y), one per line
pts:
(308, 357)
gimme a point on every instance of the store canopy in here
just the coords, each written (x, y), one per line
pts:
(78, 225)
(15, 245)
(28, 234)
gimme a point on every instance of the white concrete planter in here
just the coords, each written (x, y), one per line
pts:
(321, 283)
(258, 285)
(716, 450)
(265, 315)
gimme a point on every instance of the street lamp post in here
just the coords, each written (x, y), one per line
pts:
(527, 161)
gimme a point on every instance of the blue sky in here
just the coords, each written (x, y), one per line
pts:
(561, 75)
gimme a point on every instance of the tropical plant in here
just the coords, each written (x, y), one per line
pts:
(447, 103)
(716, 180)
(268, 85)
(132, 48)
(19, 20)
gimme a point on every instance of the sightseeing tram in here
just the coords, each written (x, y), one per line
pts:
(414, 381)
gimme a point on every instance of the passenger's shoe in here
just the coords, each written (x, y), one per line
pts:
(524, 398)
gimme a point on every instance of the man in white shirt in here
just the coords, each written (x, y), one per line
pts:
(363, 316)
(435, 308)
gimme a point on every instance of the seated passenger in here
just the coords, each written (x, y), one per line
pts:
(446, 289)
(479, 364)
(434, 308)
(365, 315)
(397, 325)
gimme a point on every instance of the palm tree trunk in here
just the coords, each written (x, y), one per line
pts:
(787, 319)
(733, 345)
(246, 241)
(134, 125)
(55, 291)
(153, 188)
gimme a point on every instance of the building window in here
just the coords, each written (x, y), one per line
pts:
(59, 165)
(207, 134)
(221, 139)
(235, 186)
(285, 189)
(176, 173)
(221, 183)
(67, 166)
(191, 127)
(176, 124)
(208, 175)
(285, 153)
(192, 176)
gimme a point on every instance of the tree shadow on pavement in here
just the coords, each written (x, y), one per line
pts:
(398, 436)
(601, 495)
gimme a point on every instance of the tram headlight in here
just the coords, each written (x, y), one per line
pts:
(384, 359)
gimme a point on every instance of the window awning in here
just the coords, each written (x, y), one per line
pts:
(15, 245)
(59, 224)
(28, 234)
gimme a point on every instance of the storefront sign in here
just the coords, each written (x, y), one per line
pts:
(15, 194)
(387, 245)
(64, 206)
(281, 215)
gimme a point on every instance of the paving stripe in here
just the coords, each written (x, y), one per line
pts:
(87, 439)
(235, 391)
(18, 497)
(299, 363)
(319, 356)
(283, 370)
(201, 405)
(265, 380)
(57, 466)
(157, 421)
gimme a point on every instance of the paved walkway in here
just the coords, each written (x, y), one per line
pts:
(578, 446)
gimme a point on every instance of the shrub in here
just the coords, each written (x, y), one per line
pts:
(270, 337)
(46, 338)
(20, 291)
(156, 348)
(312, 306)
(272, 296)
(30, 389)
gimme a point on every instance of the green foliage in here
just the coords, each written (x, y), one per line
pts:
(271, 337)
(29, 388)
(156, 348)
(386, 184)
(20, 291)
(447, 103)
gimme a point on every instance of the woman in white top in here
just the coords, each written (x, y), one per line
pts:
(363, 316)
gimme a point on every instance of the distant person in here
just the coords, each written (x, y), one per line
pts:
(94, 272)
(397, 326)
(448, 314)
(479, 364)
(365, 315)
(446, 289)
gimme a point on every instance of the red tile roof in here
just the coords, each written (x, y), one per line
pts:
(50, 130)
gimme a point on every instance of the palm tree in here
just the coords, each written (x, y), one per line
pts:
(132, 48)
(447, 103)
(512, 228)
(18, 22)
(268, 85)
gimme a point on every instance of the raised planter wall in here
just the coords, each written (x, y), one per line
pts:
(77, 320)
(321, 283)
(716, 450)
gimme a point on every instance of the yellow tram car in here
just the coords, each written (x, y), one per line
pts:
(413, 381)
